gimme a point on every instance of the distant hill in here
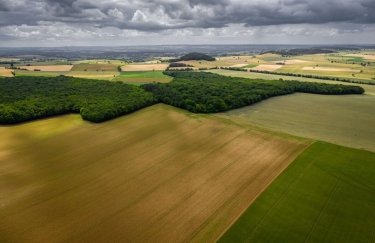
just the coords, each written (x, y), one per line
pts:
(301, 51)
(194, 56)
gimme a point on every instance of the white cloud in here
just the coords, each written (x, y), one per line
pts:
(139, 17)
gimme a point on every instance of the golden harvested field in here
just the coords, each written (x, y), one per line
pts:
(49, 68)
(267, 67)
(157, 175)
(95, 68)
(5, 72)
(144, 67)
(240, 65)
(329, 69)
(106, 75)
(293, 61)
(364, 56)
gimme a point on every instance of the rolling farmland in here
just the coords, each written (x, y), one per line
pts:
(370, 89)
(142, 77)
(144, 67)
(5, 72)
(49, 68)
(326, 195)
(344, 120)
(134, 178)
(95, 67)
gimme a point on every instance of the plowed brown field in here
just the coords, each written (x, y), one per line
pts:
(158, 175)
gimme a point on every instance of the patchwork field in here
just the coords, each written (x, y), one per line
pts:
(345, 120)
(364, 56)
(144, 67)
(157, 175)
(100, 61)
(43, 74)
(330, 69)
(106, 75)
(49, 68)
(143, 77)
(5, 72)
(293, 61)
(267, 67)
(95, 67)
(370, 89)
(341, 64)
(326, 195)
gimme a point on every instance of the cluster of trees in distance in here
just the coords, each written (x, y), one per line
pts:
(179, 64)
(202, 92)
(194, 56)
(28, 98)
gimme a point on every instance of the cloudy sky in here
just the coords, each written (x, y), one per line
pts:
(143, 22)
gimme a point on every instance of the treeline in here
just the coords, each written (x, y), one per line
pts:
(202, 92)
(316, 77)
(28, 98)
(345, 80)
(179, 64)
(301, 51)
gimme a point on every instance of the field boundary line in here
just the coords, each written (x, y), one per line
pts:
(265, 188)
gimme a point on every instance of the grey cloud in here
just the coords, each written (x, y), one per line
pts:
(3, 6)
(171, 14)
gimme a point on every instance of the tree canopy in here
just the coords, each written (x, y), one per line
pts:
(203, 92)
(28, 98)
(194, 56)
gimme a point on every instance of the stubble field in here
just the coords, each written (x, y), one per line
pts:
(157, 175)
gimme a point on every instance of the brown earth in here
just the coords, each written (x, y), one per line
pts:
(158, 175)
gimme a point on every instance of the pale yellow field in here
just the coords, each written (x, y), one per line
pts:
(144, 67)
(293, 61)
(49, 68)
(267, 67)
(365, 56)
(240, 65)
(106, 75)
(5, 72)
(227, 61)
(329, 69)
(157, 175)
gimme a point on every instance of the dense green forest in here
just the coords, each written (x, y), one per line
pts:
(27, 98)
(208, 93)
(194, 56)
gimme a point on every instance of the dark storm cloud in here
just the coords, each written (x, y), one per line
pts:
(185, 13)
(3, 6)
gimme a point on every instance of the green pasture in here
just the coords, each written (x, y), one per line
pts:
(326, 195)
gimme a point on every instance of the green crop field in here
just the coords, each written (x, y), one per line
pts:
(345, 120)
(326, 195)
(95, 67)
(142, 77)
(39, 74)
